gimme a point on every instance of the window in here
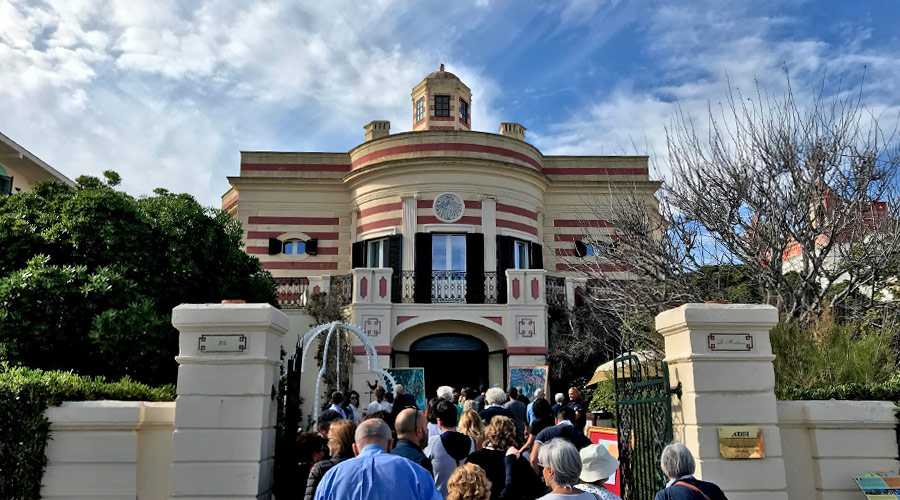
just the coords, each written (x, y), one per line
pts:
(6, 185)
(294, 247)
(441, 105)
(375, 253)
(420, 109)
(448, 252)
(463, 111)
(520, 255)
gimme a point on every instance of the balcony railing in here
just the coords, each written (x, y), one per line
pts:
(292, 292)
(556, 291)
(448, 287)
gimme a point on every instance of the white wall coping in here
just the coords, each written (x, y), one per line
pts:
(699, 316)
(837, 414)
(231, 316)
(110, 415)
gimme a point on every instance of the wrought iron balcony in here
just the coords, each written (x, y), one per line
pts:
(448, 287)
(556, 291)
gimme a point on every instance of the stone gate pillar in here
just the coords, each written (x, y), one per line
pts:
(722, 356)
(224, 440)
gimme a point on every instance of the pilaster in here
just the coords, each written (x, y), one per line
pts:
(223, 445)
(722, 356)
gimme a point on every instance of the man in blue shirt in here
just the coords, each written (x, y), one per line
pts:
(529, 410)
(375, 474)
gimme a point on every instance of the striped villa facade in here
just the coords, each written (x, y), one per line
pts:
(447, 245)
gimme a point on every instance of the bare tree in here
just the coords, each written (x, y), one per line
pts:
(799, 200)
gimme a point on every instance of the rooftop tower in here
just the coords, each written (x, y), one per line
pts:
(442, 102)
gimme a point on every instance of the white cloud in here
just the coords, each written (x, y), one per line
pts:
(167, 93)
(701, 50)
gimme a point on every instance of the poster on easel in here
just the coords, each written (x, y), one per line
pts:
(413, 380)
(608, 438)
(879, 485)
(528, 378)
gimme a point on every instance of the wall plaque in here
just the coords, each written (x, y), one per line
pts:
(449, 207)
(730, 342)
(222, 343)
(741, 441)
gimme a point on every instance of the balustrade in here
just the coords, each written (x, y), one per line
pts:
(292, 292)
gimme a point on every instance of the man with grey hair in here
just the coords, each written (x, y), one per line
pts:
(446, 392)
(560, 399)
(495, 398)
(678, 465)
(375, 474)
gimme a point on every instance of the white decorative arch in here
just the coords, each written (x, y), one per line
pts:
(371, 356)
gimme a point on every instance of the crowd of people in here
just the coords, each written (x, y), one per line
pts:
(468, 445)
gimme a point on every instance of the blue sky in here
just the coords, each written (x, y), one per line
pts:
(167, 92)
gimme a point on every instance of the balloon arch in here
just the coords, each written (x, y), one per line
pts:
(304, 343)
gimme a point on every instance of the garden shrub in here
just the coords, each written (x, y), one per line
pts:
(829, 360)
(24, 430)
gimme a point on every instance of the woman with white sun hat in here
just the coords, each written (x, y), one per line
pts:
(597, 466)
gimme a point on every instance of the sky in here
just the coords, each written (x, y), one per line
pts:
(168, 92)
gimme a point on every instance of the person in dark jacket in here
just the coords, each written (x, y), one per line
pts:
(678, 465)
(412, 436)
(311, 448)
(340, 444)
(511, 476)
(495, 399)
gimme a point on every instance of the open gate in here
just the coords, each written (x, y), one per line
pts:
(288, 398)
(644, 416)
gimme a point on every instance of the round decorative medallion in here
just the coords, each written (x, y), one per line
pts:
(448, 207)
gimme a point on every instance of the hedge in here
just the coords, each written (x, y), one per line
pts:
(24, 430)
(888, 390)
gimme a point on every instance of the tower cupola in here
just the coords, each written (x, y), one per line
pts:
(442, 102)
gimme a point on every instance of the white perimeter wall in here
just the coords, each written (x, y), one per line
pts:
(826, 443)
(109, 450)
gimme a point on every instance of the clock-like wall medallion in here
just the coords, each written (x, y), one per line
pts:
(448, 207)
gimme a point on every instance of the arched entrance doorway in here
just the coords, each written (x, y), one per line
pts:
(450, 359)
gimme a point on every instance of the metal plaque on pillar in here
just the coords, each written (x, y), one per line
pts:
(741, 441)
(222, 343)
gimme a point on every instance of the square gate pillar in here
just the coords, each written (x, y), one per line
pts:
(224, 440)
(722, 356)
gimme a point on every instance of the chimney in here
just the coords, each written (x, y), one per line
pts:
(513, 130)
(377, 129)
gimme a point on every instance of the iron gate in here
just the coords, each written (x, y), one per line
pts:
(644, 416)
(288, 400)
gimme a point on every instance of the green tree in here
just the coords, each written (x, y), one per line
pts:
(89, 276)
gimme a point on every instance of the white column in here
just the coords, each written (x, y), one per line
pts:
(224, 440)
(489, 230)
(722, 356)
(410, 213)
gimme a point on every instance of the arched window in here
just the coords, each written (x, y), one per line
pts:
(294, 247)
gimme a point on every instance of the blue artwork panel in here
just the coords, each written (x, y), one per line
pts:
(413, 380)
(528, 378)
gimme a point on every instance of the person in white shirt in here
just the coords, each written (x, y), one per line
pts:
(379, 404)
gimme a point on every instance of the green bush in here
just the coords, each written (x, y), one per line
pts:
(24, 430)
(851, 360)
(601, 396)
(89, 276)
